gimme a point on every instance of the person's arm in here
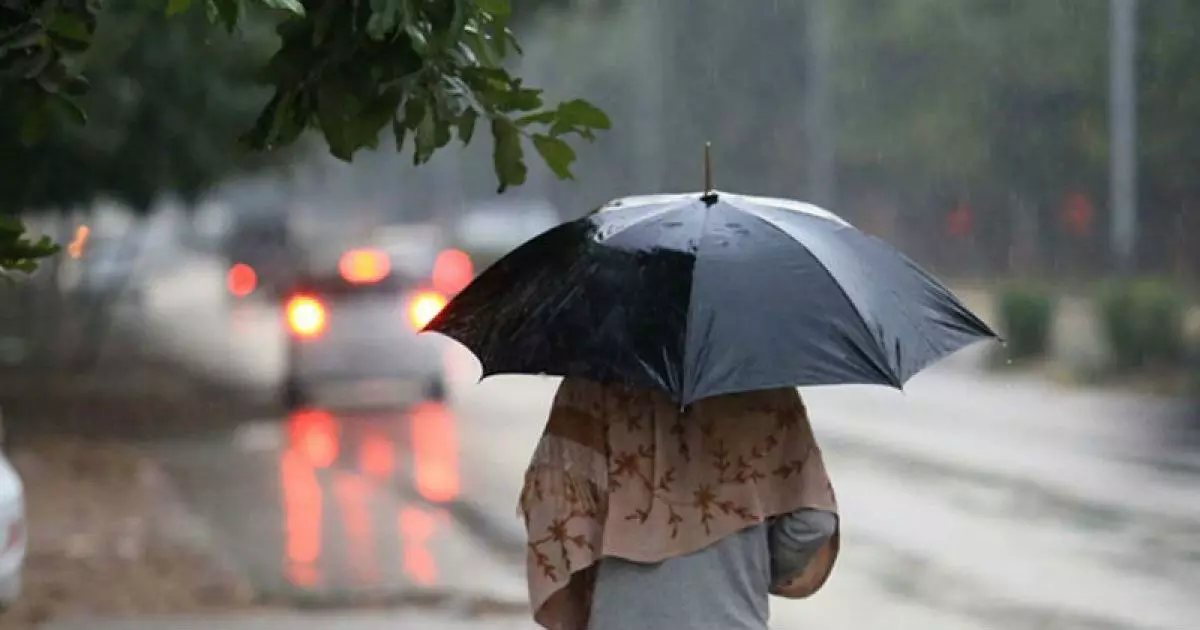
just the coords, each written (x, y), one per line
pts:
(795, 538)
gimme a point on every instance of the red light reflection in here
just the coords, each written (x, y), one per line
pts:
(417, 526)
(435, 453)
(314, 433)
(352, 496)
(378, 455)
(301, 518)
(366, 509)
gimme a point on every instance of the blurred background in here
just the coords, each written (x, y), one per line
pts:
(214, 400)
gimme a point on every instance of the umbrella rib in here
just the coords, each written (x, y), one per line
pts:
(688, 370)
(884, 369)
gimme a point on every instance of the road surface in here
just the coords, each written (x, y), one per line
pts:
(969, 502)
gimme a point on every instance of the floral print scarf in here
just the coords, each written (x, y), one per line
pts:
(625, 473)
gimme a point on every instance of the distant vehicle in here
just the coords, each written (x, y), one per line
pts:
(105, 265)
(355, 324)
(13, 539)
(422, 251)
(262, 255)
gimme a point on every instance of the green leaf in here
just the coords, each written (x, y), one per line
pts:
(11, 227)
(227, 12)
(385, 17)
(24, 35)
(73, 27)
(518, 99)
(331, 110)
(291, 6)
(581, 113)
(178, 6)
(466, 125)
(425, 139)
(558, 155)
(538, 118)
(64, 106)
(377, 114)
(441, 134)
(462, 13)
(400, 133)
(498, 8)
(414, 110)
(508, 158)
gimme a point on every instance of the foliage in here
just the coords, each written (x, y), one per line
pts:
(39, 70)
(425, 69)
(17, 251)
(348, 69)
(167, 98)
(1026, 313)
(1142, 321)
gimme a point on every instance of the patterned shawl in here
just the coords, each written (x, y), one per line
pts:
(625, 473)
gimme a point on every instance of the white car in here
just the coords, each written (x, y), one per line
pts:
(13, 538)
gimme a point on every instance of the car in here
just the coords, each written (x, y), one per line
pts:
(107, 267)
(260, 252)
(357, 327)
(13, 540)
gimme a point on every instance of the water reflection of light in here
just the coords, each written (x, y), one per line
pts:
(352, 496)
(302, 518)
(417, 526)
(378, 455)
(360, 481)
(314, 433)
(435, 452)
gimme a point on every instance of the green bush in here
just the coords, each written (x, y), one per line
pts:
(1142, 322)
(1026, 314)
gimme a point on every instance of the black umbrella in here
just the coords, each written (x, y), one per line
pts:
(708, 294)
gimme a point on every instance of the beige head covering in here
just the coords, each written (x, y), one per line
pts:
(624, 473)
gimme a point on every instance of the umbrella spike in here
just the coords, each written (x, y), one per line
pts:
(708, 175)
(710, 196)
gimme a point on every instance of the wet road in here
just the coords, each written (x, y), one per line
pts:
(968, 502)
(332, 509)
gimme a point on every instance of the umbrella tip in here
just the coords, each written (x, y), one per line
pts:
(710, 196)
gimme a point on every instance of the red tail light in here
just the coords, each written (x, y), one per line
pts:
(241, 280)
(364, 266)
(452, 271)
(424, 307)
(306, 316)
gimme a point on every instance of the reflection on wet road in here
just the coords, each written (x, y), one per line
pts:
(331, 506)
(970, 502)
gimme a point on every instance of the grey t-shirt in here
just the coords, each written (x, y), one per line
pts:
(721, 587)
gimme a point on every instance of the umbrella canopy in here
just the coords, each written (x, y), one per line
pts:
(709, 294)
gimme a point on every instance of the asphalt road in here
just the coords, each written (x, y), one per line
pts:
(969, 502)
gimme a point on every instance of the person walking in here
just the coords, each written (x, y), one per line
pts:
(641, 515)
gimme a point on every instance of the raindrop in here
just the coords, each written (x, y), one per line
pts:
(1008, 361)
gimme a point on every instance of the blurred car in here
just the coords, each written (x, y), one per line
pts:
(12, 531)
(106, 266)
(357, 326)
(261, 254)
